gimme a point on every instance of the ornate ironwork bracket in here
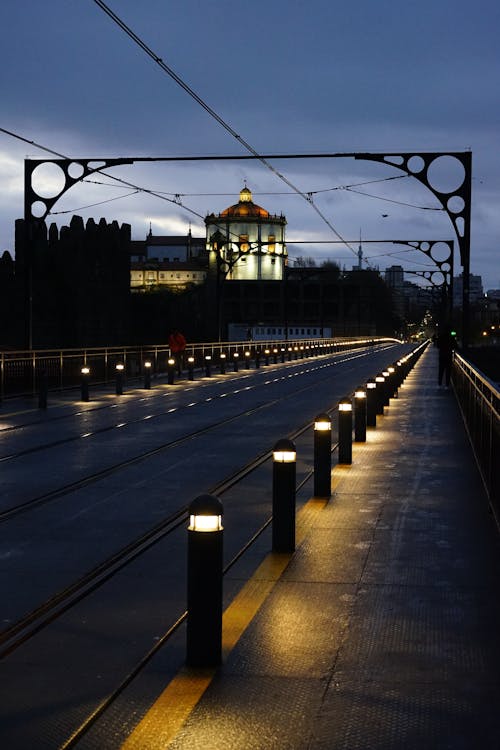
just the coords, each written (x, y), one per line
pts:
(36, 206)
(456, 201)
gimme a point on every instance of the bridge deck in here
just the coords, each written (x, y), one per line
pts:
(381, 631)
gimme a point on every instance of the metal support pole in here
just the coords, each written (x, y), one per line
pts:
(170, 371)
(345, 431)
(204, 582)
(360, 415)
(322, 456)
(284, 473)
(147, 375)
(84, 387)
(119, 379)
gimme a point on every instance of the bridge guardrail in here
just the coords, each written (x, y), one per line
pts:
(20, 371)
(479, 401)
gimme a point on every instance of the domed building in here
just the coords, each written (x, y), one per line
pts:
(245, 242)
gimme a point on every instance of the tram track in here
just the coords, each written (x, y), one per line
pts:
(61, 492)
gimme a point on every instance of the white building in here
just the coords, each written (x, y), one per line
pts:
(247, 241)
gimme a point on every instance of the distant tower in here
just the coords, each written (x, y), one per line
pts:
(250, 240)
(360, 253)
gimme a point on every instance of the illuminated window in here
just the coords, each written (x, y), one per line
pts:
(271, 243)
(244, 246)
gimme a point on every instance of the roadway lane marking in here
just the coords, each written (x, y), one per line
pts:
(170, 711)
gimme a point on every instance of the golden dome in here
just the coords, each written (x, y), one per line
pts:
(245, 207)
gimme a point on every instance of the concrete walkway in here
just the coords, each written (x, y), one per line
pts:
(382, 631)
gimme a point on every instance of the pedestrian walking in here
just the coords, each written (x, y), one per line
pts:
(177, 344)
(445, 345)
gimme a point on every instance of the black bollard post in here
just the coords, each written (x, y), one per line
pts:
(387, 387)
(275, 355)
(380, 381)
(322, 456)
(84, 386)
(190, 364)
(235, 362)
(247, 359)
(282, 353)
(345, 431)
(43, 390)
(204, 582)
(119, 379)
(290, 350)
(371, 403)
(208, 362)
(170, 371)
(266, 356)
(147, 374)
(257, 359)
(222, 364)
(284, 472)
(360, 415)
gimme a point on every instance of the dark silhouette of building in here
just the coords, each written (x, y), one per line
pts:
(80, 282)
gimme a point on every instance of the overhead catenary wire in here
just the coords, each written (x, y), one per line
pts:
(175, 77)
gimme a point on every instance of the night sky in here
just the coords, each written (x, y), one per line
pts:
(286, 76)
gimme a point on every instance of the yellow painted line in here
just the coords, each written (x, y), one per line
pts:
(169, 712)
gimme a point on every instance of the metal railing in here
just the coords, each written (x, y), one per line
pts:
(479, 401)
(21, 371)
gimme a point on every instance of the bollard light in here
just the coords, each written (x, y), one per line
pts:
(387, 387)
(119, 378)
(247, 359)
(345, 431)
(284, 473)
(266, 356)
(170, 370)
(84, 390)
(290, 350)
(190, 364)
(275, 355)
(322, 456)
(222, 363)
(282, 354)
(204, 582)
(208, 362)
(379, 401)
(147, 374)
(235, 361)
(360, 415)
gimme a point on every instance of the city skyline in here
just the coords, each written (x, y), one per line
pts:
(313, 80)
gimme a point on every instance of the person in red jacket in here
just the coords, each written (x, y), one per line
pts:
(177, 344)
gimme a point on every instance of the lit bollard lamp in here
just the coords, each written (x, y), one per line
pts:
(208, 362)
(119, 378)
(380, 381)
(282, 354)
(43, 390)
(275, 355)
(84, 384)
(387, 387)
(267, 352)
(190, 364)
(204, 582)
(284, 473)
(257, 359)
(322, 456)
(170, 370)
(371, 403)
(147, 374)
(290, 350)
(360, 418)
(222, 364)
(247, 359)
(393, 386)
(345, 431)
(235, 361)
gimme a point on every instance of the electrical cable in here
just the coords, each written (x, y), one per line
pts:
(170, 72)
